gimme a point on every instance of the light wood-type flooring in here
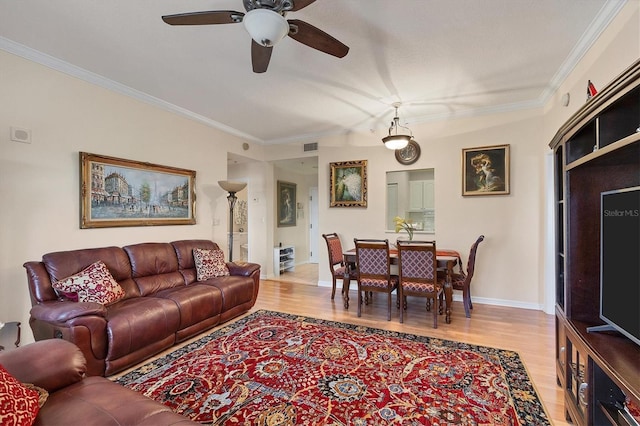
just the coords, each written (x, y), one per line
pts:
(530, 333)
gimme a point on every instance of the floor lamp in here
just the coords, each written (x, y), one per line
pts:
(231, 188)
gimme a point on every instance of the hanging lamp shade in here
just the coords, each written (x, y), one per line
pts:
(397, 138)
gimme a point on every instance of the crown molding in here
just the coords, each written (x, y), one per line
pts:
(602, 20)
(599, 24)
(98, 80)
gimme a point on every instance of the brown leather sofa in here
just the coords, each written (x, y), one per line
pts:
(164, 304)
(59, 367)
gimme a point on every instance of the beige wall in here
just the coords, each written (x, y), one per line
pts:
(39, 181)
(512, 265)
(510, 223)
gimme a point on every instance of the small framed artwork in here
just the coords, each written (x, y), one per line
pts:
(117, 192)
(348, 183)
(286, 204)
(485, 170)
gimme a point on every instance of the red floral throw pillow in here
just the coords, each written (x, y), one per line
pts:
(93, 284)
(209, 264)
(18, 404)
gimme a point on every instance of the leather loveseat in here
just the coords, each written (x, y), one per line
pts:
(163, 301)
(59, 368)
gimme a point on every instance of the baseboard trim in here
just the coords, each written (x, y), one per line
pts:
(457, 297)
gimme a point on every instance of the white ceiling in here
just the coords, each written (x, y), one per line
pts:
(440, 58)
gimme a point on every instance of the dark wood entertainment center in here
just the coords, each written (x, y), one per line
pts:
(596, 150)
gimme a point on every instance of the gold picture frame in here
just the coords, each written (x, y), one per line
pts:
(348, 183)
(117, 192)
(485, 170)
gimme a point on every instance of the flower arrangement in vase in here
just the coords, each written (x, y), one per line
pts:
(407, 225)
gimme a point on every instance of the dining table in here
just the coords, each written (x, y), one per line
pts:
(447, 260)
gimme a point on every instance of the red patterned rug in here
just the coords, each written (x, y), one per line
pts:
(271, 368)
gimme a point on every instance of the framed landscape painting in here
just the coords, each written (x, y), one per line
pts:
(485, 170)
(117, 192)
(348, 183)
(286, 204)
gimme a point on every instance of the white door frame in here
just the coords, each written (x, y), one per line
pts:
(313, 224)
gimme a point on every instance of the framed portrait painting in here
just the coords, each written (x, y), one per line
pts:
(118, 192)
(348, 183)
(485, 170)
(286, 201)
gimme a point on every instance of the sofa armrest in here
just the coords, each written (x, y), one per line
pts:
(242, 268)
(51, 364)
(61, 311)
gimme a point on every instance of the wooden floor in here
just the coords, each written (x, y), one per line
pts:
(306, 273)
(530, 333)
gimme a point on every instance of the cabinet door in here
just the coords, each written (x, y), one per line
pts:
(577, 387)
(561, 352)
(428, 194)
(421, 194)
(416, 195)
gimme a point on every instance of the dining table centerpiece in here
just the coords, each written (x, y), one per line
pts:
(404, 224)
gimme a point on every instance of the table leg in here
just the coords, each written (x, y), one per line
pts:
(448, 297)
(448, 290)
(345, 287)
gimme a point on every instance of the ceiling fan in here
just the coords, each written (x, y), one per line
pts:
(265, 21)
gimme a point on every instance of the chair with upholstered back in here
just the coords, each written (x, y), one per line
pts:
(336, 260)
(418, 275)
(462, 280)
(374, 270)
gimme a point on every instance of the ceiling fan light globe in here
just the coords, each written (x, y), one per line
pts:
(265, 26)
(396, 141)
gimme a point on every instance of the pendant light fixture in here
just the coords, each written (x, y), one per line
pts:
(397, 139)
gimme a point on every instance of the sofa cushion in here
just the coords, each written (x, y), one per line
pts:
(62, 264)
(99, 401)
(139, 322)
(154, 267)
(197, 303)
(209, 264)
(93, 284)
(236, 290)
(18, 404)
(50, 364)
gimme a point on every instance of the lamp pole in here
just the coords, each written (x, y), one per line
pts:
(232, 203)
(231, 188)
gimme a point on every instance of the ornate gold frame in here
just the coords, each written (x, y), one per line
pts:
(355, 172)
(116, 192)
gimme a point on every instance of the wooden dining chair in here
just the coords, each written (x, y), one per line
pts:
(462, 279)
(374, 270)
(336, 260)
(418, 275)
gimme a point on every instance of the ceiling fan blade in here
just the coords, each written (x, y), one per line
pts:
(204, 18)
(313, 37)
(260, 57)
(300, 4)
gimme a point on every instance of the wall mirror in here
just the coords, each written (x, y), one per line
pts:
(410, 194)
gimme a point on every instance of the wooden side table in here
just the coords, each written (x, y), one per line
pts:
(10, 335)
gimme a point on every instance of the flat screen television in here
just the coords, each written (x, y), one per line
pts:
(620, 262)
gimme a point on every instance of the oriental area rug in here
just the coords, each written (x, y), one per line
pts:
(271, 368)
